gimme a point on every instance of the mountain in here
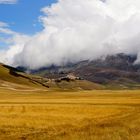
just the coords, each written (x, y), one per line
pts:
(12, 78)
(115, 71)
(15, 79)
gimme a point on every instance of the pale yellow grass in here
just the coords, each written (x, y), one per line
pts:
(83, 115)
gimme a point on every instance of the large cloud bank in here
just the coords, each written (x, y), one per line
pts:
(77, 30)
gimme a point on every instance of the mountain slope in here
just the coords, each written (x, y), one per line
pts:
(14, 79)
(116, 71)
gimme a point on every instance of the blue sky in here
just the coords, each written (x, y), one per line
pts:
(23, 16)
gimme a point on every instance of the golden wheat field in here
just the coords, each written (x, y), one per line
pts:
(83, 115)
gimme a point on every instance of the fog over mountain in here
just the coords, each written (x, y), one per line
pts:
(76, 30)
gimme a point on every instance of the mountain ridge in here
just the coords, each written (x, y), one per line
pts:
(15, 79)
(117, 71)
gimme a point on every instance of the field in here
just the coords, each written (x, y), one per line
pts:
(83, 115)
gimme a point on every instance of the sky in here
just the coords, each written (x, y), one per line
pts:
(22, 16)
(40, 33)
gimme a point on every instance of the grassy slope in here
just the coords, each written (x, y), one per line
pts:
(7, 75)
(87, 115)
(27, 80)
(76, 85)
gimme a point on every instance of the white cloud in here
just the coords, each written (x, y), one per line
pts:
(17, 40)
(3, 24)
(8, 1)
(80, 29)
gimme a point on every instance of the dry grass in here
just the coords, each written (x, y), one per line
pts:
(83, 115)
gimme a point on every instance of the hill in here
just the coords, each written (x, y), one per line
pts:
(115, 72)
(15, 79)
